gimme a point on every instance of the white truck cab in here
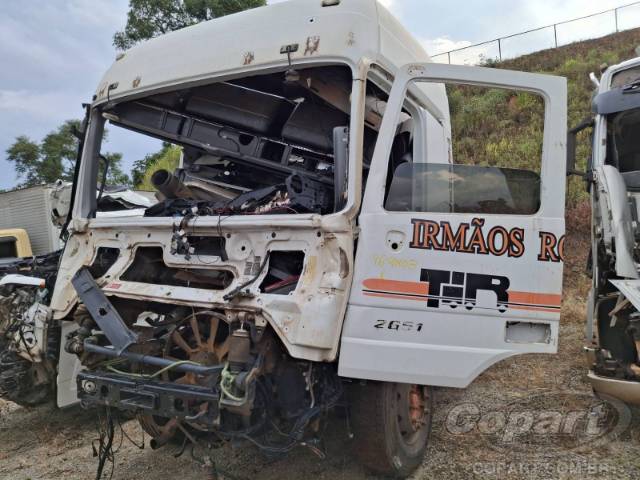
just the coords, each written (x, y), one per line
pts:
(612, 178)
(318, 246)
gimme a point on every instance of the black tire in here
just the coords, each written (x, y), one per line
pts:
(19, 381)
(43, 394)
(388, 439)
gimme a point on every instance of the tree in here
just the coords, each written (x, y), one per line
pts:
(48, 161)
(26, 156)
(115, 175)
(149, 18)
(55, 156)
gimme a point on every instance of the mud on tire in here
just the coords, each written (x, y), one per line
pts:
(391, 424)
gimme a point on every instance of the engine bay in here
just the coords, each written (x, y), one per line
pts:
(29, 342)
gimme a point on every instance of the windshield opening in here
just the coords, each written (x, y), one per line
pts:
(267, 144)
(623, 145)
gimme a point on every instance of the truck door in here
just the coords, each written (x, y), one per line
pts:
(460, 265)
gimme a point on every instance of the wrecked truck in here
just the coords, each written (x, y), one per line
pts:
(318, 247)
(613, 180)
(29, 339)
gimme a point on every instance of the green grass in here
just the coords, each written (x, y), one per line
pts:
(168, 160)
(499, 127)
(494, 127)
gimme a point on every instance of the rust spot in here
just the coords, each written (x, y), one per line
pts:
(351, 39)
(417, 408)
(310, 270)
(416, 69)
(312, 46)
(344, 264)
(136, 82)
(249, 57)
(102, 90)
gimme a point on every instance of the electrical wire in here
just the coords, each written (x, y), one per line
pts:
(226, 381)
(155, 374)
(231, 295)
(103, 446)
(140, 445)
(104, 452)
(331, 394)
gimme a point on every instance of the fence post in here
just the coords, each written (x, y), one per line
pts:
(615, 11)
(449, 56)
(555, 33)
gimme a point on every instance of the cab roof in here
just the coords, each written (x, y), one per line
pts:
(253, 40)
(627, 71)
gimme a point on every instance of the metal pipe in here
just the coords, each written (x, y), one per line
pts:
(150, 360)
(169, 185)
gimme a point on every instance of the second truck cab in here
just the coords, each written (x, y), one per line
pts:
(613, 180)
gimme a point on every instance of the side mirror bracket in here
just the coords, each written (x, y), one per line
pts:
(571, 147)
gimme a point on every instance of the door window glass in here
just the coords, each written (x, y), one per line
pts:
(442, 188)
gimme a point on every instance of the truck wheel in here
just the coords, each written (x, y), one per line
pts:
(21, 381)
(391, 426)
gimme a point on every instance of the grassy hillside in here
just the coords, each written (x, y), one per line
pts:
(522, 136)
(497, 127)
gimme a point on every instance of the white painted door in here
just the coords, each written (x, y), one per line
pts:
(459, 266)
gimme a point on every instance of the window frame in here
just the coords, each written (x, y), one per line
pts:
(420, 148)
(549, 88)
(13, 242)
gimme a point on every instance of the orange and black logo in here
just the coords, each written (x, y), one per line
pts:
(439, 288)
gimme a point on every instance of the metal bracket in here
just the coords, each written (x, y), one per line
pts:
(288, 50)
(107, 318)
(164, 399)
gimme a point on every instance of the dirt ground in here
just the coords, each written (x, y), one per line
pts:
(44, 443)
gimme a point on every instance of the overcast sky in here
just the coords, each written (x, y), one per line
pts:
(53, 52)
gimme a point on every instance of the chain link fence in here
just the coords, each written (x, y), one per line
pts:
(550, 36)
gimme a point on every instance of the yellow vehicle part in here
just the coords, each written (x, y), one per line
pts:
(15, 243)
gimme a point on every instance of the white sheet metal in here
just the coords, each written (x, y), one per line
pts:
(251, 40)
(402, 325)
(619, 213)
(16, 279)
(630, 289)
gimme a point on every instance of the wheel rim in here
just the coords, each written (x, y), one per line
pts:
(413, 412)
